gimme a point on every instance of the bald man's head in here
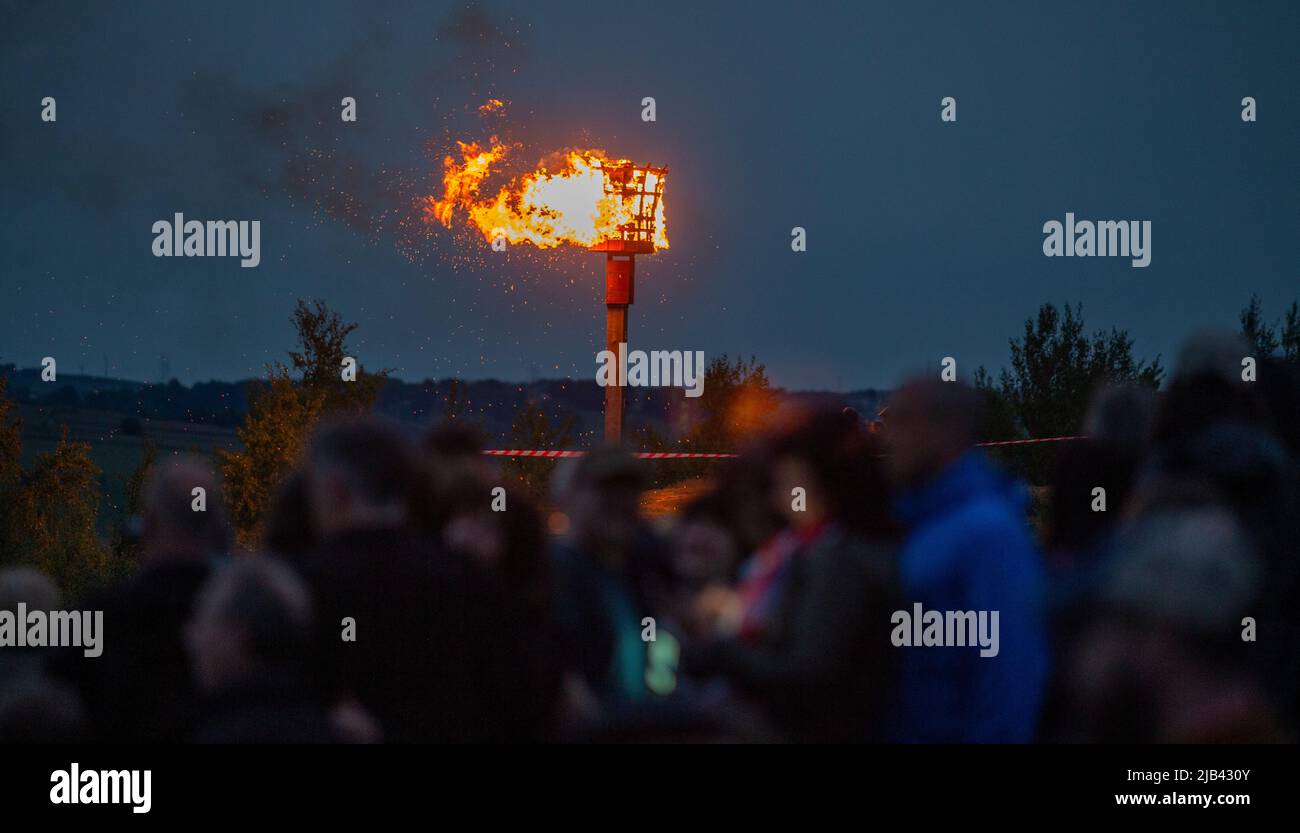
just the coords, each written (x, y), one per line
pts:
(929, 424)
(178, 521)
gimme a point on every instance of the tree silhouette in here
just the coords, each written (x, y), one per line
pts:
(1265, 340)
(1291, 333)
(1261, 338)
(283, 411)
(1055, 368)
(532, 428)
(735, 405)
(322, 343)
(59, 507)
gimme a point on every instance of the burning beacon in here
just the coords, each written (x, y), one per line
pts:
(642, 189)
(587, 199)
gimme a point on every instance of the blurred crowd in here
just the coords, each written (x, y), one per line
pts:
(404, 593)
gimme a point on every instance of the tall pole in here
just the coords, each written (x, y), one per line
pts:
(620, 271)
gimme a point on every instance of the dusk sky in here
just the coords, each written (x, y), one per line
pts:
(924, 237)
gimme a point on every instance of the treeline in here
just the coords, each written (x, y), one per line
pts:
(1056, 364)
(490, 403)
(49, 509)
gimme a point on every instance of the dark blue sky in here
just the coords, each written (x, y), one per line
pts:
(924, 238)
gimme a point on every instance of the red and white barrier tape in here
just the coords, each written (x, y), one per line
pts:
(640, 455)
(684, 455)
(1030, 442)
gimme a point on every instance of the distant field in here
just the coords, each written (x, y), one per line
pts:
(116, 452)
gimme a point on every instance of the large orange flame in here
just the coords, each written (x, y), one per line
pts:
(588, 199)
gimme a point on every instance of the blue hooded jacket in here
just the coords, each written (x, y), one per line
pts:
(969, 549)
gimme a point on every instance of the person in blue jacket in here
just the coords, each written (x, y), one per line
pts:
(968, 547)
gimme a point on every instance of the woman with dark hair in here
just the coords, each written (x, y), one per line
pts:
(806, 640)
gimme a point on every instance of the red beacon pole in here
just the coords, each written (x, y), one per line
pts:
(642, 187)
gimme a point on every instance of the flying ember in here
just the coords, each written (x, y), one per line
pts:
(585, 199)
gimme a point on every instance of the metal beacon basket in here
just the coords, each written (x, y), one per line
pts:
(640, 188)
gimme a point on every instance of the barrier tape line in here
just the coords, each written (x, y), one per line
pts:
(690, 455)
(641, 455)
(1030, 442)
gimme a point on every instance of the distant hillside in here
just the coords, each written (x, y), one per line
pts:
(119, 418)
(490, 404)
